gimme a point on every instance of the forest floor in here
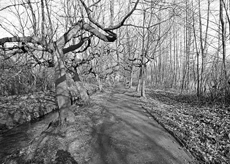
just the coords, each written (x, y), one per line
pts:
(114, 128)
(202, 127)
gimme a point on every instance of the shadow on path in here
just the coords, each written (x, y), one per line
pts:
(127, 135)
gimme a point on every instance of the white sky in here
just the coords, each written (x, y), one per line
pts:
(9, 20)
(5, 16)
(2, 15)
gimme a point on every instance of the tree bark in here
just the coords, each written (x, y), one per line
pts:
(223, 37)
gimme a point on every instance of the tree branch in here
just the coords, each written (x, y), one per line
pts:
(112, 27)
(19, 4)
(88, 45)
(27, 39)
(95, 3)
(76, 46)
(111, 37)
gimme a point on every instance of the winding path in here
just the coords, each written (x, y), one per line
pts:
(127, 135)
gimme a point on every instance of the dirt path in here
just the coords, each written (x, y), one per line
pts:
(113, 129)
(127, 135)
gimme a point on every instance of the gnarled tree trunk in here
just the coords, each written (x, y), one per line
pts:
(64, 84)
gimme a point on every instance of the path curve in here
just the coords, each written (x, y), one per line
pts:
(127, 135)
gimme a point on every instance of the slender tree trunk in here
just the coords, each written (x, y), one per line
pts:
(160, 54)
(202, 50)
(197, 57)
(139, 80)
(223, 34)
(143, 65)
(143, 80)
(131, 77)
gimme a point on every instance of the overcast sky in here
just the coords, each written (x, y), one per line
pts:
(5, 14)
(8, 20)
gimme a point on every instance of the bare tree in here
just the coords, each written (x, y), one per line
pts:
(59, 51)
(223, 38)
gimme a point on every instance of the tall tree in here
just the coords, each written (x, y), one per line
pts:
(223, 38)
